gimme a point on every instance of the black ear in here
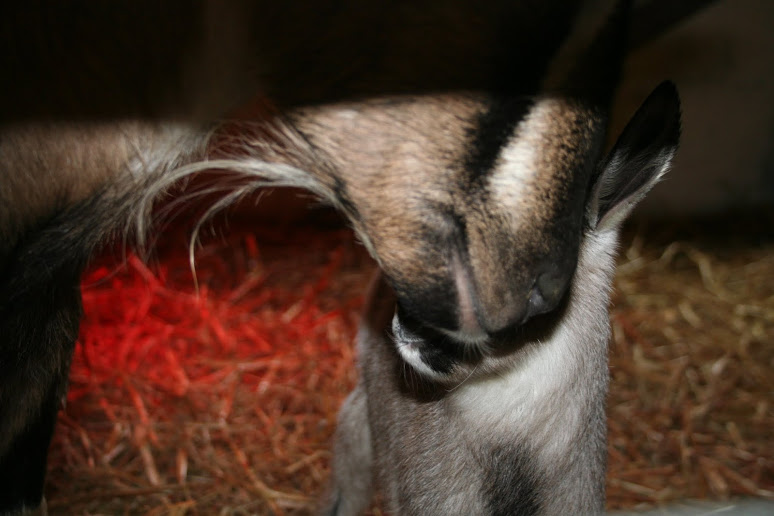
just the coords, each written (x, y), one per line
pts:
(642, 154)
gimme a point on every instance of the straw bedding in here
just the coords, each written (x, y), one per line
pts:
(224, 401)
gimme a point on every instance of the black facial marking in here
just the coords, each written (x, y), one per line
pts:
(493, 128)
(516, 80)
(439, 357)
(434, 303)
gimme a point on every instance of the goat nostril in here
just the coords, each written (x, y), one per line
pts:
(545, 295)
(551, 286)
(536, 304)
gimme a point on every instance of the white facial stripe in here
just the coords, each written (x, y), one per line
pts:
(518, 165)
(529, 167)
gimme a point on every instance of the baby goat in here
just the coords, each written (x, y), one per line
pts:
(512, 423)
(459, 139)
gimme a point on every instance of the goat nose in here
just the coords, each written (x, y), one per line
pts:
(545, 294)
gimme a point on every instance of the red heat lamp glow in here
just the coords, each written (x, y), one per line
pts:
(154, 324)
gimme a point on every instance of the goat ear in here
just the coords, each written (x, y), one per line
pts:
(642, 154)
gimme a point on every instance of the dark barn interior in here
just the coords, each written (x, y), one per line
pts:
(217, 392)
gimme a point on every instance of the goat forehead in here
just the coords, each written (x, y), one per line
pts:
(442, 150)
(418, 132)
(544, 163)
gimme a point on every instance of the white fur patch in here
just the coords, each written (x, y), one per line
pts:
(407, 346)
(543, 396)
(518, 169)
(470, 338)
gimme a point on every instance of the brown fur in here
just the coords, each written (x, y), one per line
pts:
(516, 425)
(47, 167)
(370, 108)
(397, 165)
